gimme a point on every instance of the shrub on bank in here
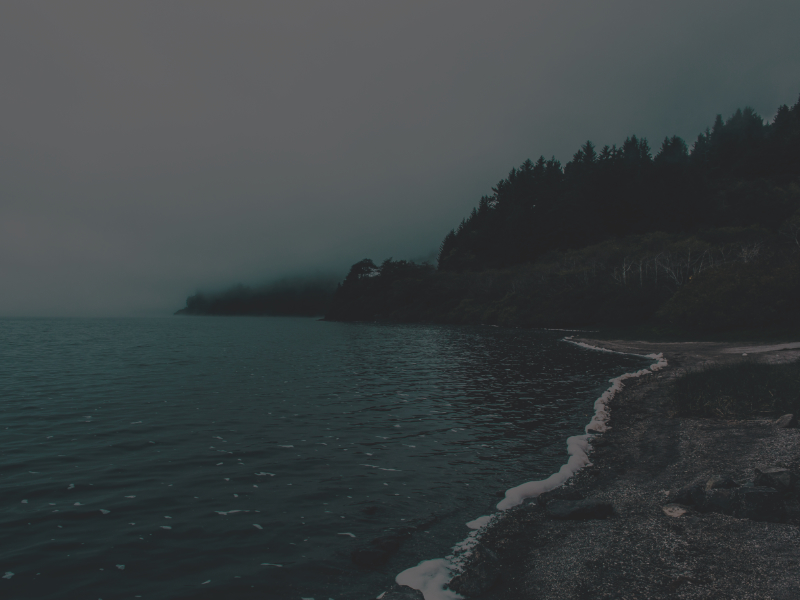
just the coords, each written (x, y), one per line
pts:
(738, 295)
(742, 390)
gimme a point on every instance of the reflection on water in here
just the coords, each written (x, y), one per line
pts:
(247, 458)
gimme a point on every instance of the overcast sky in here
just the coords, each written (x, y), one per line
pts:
(151, 148)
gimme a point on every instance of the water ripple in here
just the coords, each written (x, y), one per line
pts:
(160, 444)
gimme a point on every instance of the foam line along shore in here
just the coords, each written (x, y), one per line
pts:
(431, 577)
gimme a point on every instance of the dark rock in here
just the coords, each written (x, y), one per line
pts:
(761, 504)
(478, 575)
(720, 482)
(721, 500)
(579, 509)
(786, 421)
(558, 494)
(698, 494)
(690, 495)
(782, 480)
(594, 431)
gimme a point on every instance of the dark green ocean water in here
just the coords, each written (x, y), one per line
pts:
(188, 457)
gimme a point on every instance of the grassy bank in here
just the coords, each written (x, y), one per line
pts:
(743, 390)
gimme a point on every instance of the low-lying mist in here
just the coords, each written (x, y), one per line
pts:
(289, 296)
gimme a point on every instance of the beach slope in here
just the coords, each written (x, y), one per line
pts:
(661, 512)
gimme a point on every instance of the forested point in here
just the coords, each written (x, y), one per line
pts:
(706, 238)
(287, 297)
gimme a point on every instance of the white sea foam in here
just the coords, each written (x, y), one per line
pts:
(270, 565)
(379, 468)
(104, 511)
(432, 576)
(347, 533)
(257, 526)
(121, 567)
(480, 522)
(8, 575)
(24, 502)
(264, 473)
(578, 445)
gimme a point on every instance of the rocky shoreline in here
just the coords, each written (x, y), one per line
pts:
(670, 508)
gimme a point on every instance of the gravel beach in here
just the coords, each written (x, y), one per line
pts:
(670, 508)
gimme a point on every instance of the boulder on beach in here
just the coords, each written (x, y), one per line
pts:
(720, 482)
(721, 500)
(690, 495)
(761, 504)
(777, 478)
(786, 421)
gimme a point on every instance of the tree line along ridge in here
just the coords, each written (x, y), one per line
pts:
(705, 238)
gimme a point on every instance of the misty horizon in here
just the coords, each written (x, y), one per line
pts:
(151, 151)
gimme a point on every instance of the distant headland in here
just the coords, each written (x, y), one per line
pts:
(701, 239)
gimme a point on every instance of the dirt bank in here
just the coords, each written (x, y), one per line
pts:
(639, 466)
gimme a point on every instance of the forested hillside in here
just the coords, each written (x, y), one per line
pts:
(707, 238)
